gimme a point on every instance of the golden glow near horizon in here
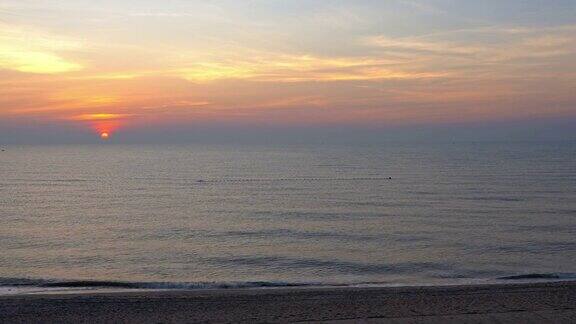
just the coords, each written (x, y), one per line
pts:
(101, 116)
(282, 62)
(104, 136)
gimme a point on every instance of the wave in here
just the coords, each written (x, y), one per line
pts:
(49, 283)
(503, 199)
(327, 266)
(292, 179)
(540, 276)
(103, 284)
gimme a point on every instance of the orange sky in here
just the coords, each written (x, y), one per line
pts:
(122, 64)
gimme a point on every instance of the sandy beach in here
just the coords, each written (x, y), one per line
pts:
(553, 302)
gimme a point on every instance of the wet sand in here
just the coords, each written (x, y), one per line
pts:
(553, 302)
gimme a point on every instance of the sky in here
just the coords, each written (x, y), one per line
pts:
(73, 69)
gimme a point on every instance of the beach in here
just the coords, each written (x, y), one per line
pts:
(551, 302)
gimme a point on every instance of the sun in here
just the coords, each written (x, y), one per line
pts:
(104, 136)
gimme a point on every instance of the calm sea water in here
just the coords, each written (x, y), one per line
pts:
(290, 214)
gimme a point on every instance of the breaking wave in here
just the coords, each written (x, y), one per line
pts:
(48, 283)
(103, 284)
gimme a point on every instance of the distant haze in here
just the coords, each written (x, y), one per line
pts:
(534, 131)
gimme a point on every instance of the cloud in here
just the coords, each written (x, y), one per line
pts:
(99, 117)
(31, 51)
(547, 41)
(416, 44)
(491, 44)
(19, 59)
(423, 7)
(271, 67)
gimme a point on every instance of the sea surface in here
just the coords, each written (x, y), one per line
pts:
(264, 216)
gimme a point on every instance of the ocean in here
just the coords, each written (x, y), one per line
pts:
(220, 216)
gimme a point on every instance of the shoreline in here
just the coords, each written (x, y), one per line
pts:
(553, 302)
